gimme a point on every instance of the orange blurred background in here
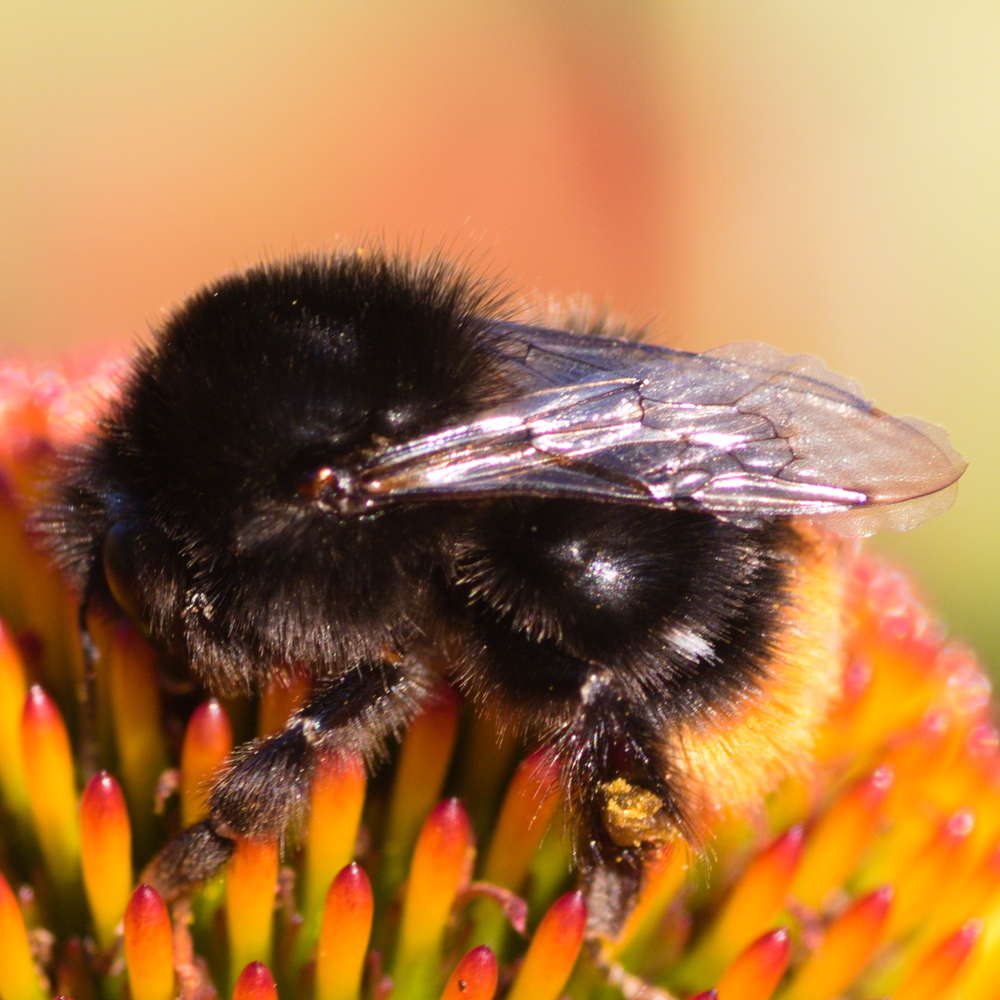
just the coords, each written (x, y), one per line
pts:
(821, 176)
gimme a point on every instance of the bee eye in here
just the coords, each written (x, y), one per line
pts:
(120, 570)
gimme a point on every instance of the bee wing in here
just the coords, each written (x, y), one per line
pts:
(744, 432)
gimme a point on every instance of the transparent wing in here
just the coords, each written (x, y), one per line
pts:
(744, 432)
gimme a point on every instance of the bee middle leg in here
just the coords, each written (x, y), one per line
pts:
(266, 782)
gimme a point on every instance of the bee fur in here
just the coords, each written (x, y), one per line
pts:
(234, 503)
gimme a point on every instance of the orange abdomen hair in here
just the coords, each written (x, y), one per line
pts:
(728, 761)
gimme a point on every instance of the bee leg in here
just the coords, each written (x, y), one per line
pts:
(87, 688)
(620, 789)
(265, 782)
(87, 693)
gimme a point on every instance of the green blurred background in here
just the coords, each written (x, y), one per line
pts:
(822, 176)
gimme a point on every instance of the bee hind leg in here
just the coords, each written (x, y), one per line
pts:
(265, 783)
(623, 801)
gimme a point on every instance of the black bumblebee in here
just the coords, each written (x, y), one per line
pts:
(359, 467)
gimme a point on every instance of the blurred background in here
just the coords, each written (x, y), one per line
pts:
(825, 177)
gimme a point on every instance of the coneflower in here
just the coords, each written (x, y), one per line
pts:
(876, 874)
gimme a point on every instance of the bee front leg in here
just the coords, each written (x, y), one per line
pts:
(619, 788)
(266, 782)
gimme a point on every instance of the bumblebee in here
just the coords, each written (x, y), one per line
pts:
(360, 467)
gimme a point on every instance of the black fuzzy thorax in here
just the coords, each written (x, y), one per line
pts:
(253, 382)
